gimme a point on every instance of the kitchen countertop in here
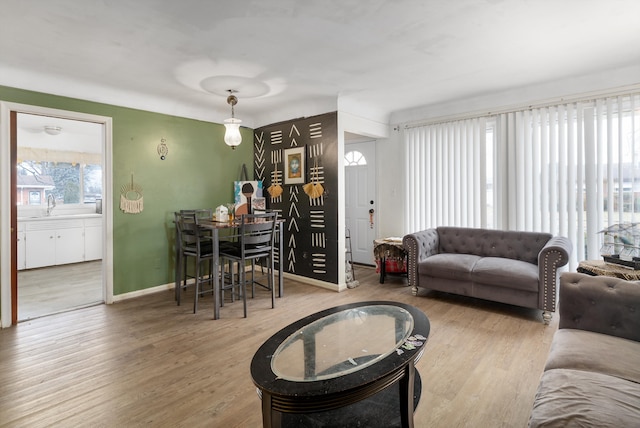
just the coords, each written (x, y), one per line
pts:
(60, 217)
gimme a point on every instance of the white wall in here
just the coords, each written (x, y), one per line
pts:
(390, 181)
(586, 85)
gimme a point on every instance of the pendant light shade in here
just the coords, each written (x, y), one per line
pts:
(232, 135)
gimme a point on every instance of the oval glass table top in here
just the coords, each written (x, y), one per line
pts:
(341, 343)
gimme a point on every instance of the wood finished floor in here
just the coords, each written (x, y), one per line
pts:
(146, 361)
(54, 289)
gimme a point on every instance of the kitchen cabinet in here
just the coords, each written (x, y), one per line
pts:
(41, 248)
(70, 245)
(56, 241)
(92, 239)
(53, 242)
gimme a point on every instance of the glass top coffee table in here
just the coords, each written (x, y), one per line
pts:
(343, 363)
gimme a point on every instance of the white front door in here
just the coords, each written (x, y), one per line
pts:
(360, 184)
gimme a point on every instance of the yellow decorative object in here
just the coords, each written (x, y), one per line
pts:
(314, 189)
(275, 190)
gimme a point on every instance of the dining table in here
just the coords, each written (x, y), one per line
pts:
(215, 227)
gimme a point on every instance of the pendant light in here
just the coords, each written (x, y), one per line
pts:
(232, 133)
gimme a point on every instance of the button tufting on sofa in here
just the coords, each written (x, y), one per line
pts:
(519, 268)
(592, 376)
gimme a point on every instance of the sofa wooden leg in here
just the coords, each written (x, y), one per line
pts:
(414, 290)
(546, 317)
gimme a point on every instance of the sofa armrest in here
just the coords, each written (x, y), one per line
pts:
(553, 255)
(419, 246)
(601, 304)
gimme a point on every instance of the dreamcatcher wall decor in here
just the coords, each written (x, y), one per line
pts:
(131, 200)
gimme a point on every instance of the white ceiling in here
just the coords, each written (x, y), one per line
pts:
(75, 135)
(290, 57)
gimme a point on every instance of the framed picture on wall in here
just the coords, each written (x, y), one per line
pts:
(294, 166)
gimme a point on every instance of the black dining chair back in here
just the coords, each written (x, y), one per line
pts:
(255, 240)
(196, 243)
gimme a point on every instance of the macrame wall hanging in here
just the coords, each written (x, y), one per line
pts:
(131, 200)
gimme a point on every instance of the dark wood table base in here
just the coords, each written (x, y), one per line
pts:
(379, 410)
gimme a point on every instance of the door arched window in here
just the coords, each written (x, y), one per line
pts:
(354, 158)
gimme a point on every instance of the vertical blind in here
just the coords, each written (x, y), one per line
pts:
(570, 169)
(446, 175)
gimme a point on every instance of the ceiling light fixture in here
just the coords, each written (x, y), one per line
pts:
(232, 134)
(52, 130)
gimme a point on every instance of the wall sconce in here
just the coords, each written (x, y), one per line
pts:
(163, 150)
(232, 133)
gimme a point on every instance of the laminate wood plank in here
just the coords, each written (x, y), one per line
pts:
(54, 289)
(147, 361)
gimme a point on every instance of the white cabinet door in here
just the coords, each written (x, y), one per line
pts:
(54, 242)
(69, 245)
(92, 242)
(40, 248)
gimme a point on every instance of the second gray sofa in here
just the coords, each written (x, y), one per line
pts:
(518, 268)
(592, 375)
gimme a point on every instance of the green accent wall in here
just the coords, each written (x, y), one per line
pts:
(198, 172)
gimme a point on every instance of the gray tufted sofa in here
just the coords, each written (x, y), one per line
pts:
(518, 268)
(592, 374)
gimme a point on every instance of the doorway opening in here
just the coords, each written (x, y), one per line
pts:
(360, 198)
(56, 203)
(59, 208)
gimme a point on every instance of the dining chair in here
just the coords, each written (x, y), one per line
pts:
(255, 240)
(197, 243)
(184, 240)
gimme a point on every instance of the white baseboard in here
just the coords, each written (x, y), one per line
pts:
(144, 292)
(171, 285)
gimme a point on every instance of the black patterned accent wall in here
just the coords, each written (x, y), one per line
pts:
(301, 156)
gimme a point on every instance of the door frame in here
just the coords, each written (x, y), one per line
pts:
(8, 221)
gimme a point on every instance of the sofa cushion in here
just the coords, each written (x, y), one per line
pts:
(595, 352)
(509, 244)
(508, 273)
(450, 266)
(576, 398)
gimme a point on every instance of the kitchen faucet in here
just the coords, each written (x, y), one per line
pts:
(51, 203)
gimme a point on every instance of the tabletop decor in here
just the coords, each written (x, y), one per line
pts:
(222, 213)
(244, 190)
(622, 245)
(231, 209)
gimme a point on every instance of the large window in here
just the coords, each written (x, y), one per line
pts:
(570, 169)
(73, 183)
